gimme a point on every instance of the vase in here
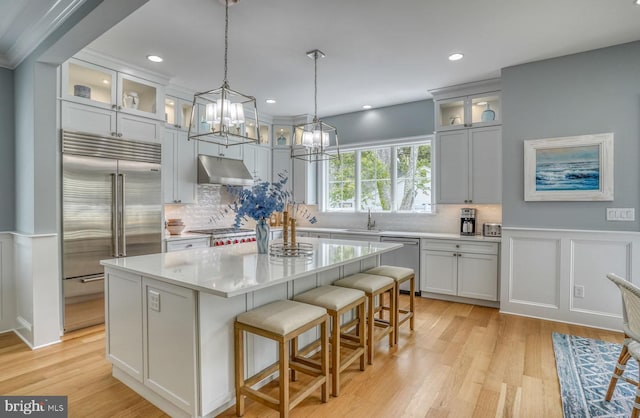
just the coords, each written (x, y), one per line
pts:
(262, 236)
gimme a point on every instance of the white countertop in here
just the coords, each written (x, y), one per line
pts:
(405, 234)
(237, 269)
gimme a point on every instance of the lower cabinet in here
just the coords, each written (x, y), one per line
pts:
(186, 244)
(460, 268)
(152, 335)
(170, 343)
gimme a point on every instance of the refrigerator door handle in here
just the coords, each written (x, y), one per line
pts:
(114, 216)
(123, 223)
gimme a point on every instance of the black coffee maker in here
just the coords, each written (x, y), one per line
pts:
(467, 221)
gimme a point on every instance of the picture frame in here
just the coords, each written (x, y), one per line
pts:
(282, 135)
(574, 168)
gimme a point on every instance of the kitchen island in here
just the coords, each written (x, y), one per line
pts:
(169, 316)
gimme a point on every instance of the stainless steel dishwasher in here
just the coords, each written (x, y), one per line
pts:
(407, 256)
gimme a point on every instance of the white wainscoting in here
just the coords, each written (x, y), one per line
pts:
(541, 268)
(36, 277)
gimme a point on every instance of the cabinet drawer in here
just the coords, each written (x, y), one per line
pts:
(460, 246)
(187, 244)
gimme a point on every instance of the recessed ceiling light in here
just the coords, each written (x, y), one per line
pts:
(637, 2)
(270, 101)
(154, 58)
(455, 57)
(367, 107)
(105, 81)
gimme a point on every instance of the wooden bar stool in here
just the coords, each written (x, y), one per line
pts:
(400, 275)
(282, 321)
(373, 285)
(337, 301)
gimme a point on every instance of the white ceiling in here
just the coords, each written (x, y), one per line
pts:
(379, 52)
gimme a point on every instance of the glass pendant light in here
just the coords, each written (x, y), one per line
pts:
(315, 137)
(224, 119)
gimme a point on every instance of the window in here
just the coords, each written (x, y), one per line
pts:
(391, 178)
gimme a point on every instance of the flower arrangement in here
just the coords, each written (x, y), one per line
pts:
(260, 201)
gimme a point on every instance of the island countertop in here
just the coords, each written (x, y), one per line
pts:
(236, 270)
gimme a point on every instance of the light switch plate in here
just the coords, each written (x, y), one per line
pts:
(621, 214)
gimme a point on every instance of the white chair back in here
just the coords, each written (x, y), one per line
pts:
(630, 305)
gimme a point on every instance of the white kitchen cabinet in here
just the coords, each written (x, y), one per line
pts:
(257, 158)
(460, 268)
(469, 166)
(94, 85)
(313, 234)
(179, 171)
(482, 109)
(123, 297)
(99, 121)
(215, 150)
(170, 343)
(186, 244)
(281, 165)
(177, 112)
(304, 177)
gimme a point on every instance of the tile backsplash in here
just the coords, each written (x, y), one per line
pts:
(209, 212)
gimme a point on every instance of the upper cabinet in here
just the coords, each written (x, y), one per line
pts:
(98, 86)
(472, 105)
(177, 113)
(468, 111)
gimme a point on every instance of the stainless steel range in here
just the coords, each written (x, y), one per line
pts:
(227, 236)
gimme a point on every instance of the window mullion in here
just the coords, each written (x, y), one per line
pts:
(393, 174)
(357, 177)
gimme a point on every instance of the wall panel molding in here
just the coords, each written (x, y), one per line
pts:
(541, 269)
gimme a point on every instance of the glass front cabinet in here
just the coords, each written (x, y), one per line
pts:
(98, 86)
(468, 111)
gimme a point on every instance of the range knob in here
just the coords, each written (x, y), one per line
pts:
(243, 240)
(235, 241)
(228, 242)
(253, 239)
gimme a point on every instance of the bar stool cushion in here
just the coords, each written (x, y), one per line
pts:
(368, 283)
(330, 297)
(396, 273)
(281, 317)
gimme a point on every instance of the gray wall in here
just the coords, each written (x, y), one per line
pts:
(398, 121)
(7, 167)
(592, 92)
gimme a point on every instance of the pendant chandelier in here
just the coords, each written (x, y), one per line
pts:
(314, 139)
(222, 110)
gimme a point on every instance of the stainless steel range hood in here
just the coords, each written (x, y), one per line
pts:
(226, 171)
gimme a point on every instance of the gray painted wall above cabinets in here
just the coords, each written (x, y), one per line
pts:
(7, 150)
(390, 122)
(591, 92)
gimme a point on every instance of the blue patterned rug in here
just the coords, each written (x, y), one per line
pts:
(584, 369)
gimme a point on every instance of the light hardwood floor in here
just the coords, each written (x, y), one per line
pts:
(461, 361)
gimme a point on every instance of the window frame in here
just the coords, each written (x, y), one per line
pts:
(358, 148)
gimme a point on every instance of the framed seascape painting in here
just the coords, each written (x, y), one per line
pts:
(575, 168)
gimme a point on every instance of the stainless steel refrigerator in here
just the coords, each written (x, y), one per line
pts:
(111, 207)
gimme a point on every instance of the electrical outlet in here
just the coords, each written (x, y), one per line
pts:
(578, 291)
(154, 300)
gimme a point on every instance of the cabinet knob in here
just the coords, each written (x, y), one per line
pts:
(455, 255)
(114, 134)
(457, 245)
(114, 107)
(119, 134)
(119, 107)
(189, 245)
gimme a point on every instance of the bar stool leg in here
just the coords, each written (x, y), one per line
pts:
(335, 354)
(239, 359)
(294, 353)
(324, 363)
(362, 333)
(393, 318)
(370, 325)
(284, 382)
(412, 301)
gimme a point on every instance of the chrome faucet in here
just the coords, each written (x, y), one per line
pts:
(370, 222)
